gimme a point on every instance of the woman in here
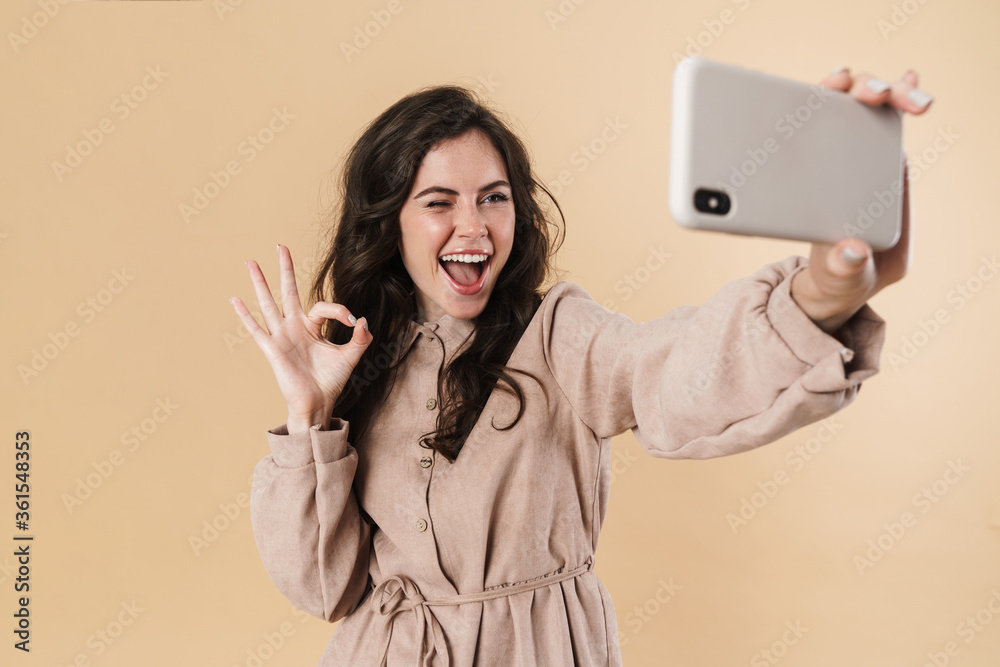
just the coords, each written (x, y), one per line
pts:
(458, 524)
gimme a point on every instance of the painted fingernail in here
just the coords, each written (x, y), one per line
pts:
(364, 323)
(839, 70)
(851, 256)
(877, 86)
(919, 97)
(353, 320)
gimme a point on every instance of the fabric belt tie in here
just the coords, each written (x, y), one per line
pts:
(407, 597)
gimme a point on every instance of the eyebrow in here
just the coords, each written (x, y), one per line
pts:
(449, 191)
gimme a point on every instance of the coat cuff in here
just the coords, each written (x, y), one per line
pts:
(834, 365)
(316, 445)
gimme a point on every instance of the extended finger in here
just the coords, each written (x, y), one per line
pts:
(289, 291)
(250, 322)
(268, 308)
(903, 94)
(839, 79)
(906, 94)
(871, 89)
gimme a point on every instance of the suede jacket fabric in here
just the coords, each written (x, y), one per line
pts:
(489, 560)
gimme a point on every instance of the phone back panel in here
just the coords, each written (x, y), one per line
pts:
(796, 161)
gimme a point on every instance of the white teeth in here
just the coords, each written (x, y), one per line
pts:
(464, 258)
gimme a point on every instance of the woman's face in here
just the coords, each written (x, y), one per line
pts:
(460, 204)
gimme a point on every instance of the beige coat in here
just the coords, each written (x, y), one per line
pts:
(489, 561)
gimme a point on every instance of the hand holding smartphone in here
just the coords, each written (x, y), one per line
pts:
(759, 155)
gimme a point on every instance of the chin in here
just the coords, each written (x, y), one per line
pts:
(468, 308)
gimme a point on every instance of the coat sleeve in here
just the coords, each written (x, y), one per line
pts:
(740, 371)
(311, 536)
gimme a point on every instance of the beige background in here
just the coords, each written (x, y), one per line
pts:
(169, 335)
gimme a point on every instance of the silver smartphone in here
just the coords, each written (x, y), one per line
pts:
(755, 154)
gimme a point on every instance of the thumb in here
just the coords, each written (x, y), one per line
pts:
(355, 348)
(360, 336)
(848, 258)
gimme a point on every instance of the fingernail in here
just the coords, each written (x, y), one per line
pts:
(837, 71)
(877, 86)
(919, 97)
(278, 248)
(851, 256)
(353, 320)
(364, 323)
(230, 300)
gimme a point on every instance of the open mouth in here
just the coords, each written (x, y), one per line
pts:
(465, 277)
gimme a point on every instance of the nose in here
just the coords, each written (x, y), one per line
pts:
(469, 224)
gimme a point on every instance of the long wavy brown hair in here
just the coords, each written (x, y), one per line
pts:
(363, 269)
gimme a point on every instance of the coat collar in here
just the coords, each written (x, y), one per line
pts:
(452, 331)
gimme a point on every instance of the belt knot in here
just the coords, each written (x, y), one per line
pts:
(406, 597)
(398, 600)
(388, 601)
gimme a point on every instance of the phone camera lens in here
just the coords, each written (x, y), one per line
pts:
(711, 201)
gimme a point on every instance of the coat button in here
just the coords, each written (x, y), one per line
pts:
(425, 462)
(431, 404)
(421, 525)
